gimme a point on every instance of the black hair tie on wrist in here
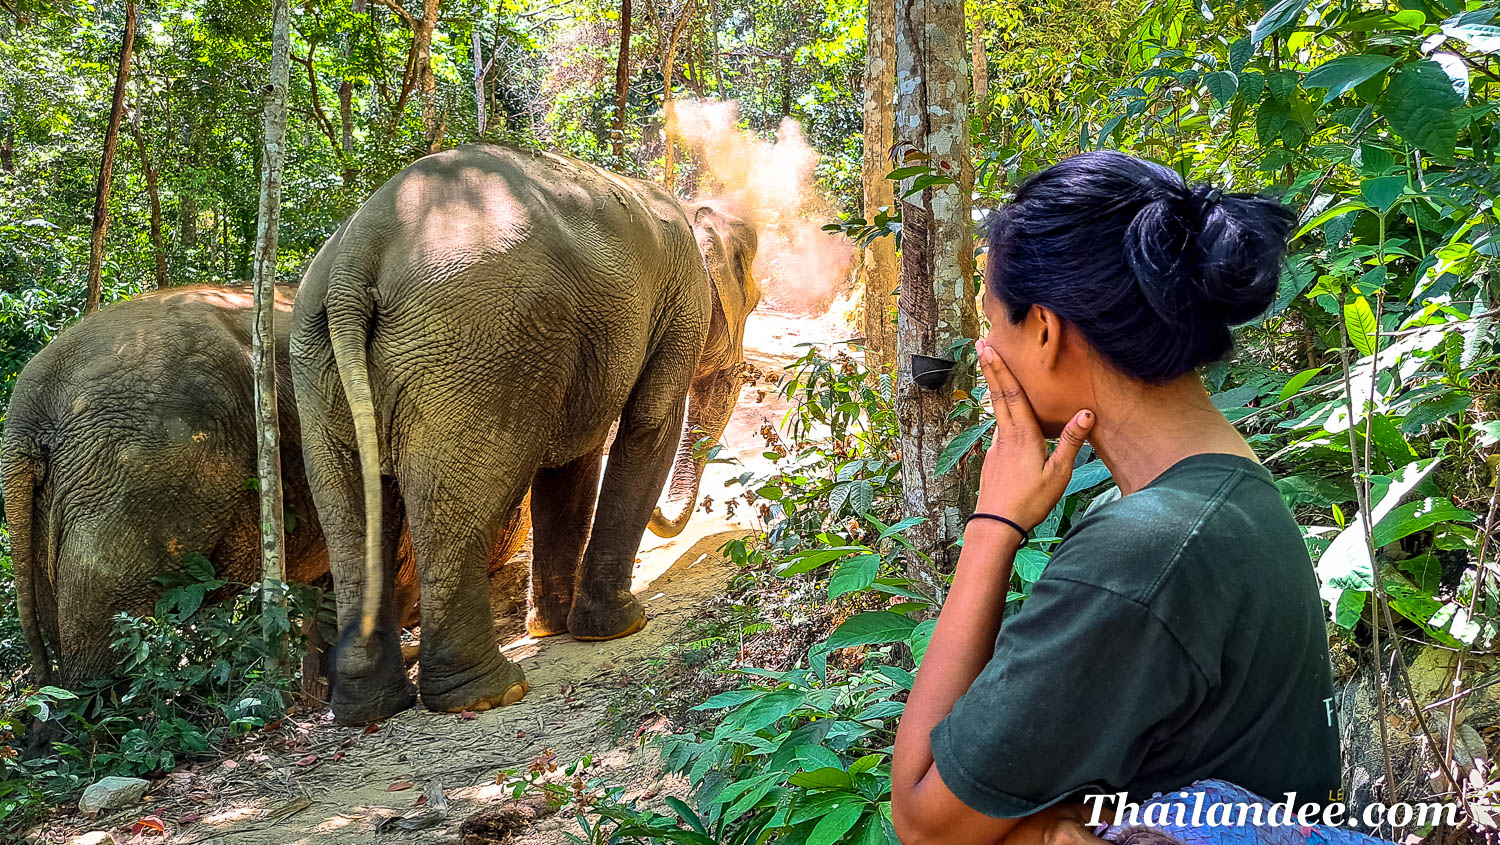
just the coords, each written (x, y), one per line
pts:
(1025, 535)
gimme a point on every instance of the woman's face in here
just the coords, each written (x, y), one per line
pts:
(1044, 357)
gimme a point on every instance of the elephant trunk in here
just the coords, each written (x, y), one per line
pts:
(710, 403)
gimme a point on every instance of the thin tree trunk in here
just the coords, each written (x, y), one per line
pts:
(622, 81)
(713, 10)
(979, 65)
(936, 310)
(879, 258)
(8, 151)
(155, 197)
(107, 166)
(263, 351)
(346, 133)
(786, 85)
(480, 118)
(668, 105)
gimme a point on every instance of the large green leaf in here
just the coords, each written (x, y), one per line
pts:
(1239, 54)
(1359, 320)
(854, 574)
(1297, 382)
(1345, 570)
(1276, 17)
(1091, 474)
(1382, 191)
(832, 827)
(1340, 75)
(881, 626)
(961, 443)
(1415, 516)
(1419, 105)
(1346, 207)
(1221, 84)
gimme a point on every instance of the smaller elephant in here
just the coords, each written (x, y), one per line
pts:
(128, 443)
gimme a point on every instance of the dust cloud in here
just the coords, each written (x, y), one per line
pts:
(800, 267)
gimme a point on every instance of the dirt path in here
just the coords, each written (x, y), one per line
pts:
(314, 781)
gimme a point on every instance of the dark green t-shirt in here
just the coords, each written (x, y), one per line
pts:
(1176, 634)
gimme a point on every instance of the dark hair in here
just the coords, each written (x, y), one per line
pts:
(1151, 271)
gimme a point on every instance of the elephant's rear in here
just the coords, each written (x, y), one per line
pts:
(22, 468)
(133, 429)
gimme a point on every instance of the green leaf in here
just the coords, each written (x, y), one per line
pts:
(832, 827)
(871, 629)
(770, 491)
(961, 443)
(829, 778)
(1419, 106)
(1221, 84)
(1030, 563)
(1276, 17)
(1412, 517)
(687, 814)
(1283, 85)
(1382, 191)
(1091, 474)
(1269, 122)
(1359, 320)
(765, 710)
(814, 757)
(1351, 604)
(920, 636)
(1340, 75)
(1239, 54)
(809, 560)
(1345, 207)
(1297, 382)
(854, 574)
(1481, 38)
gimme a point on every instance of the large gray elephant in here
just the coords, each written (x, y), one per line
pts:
(474, 330)
(128, 444)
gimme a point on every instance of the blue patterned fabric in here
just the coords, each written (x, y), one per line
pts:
(1179, 807)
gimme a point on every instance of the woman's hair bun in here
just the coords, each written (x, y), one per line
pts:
(1154, 271)
(1200, 253)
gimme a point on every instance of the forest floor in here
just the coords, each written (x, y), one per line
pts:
(313, 781)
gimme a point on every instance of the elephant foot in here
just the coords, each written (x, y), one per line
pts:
(503, 687)
(542, 622)
(369, 681)
(612, 617)
(355, 704)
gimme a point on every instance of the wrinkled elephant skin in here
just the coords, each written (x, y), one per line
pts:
(128, 444)
(472, 332)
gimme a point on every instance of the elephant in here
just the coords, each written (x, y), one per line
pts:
(129, 443)
(473, 332)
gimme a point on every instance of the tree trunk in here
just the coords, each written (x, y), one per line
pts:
(622, 81)
(480, 118)
(668, 105)
(713, 10)
(434, 120)
(263, 351)
(346, 134)
(786, 85)
(879, 258)
(155, 197)
(936, 310)
(107, 166)
(8, 151)
(979, 66)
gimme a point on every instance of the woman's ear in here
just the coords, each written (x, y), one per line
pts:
(1049, 334)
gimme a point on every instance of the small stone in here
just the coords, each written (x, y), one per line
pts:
(97, 837)
(112, 793)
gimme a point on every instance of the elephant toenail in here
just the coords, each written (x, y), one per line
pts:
(515, 693)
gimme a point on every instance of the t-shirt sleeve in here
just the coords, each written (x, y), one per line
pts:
(1081, 681)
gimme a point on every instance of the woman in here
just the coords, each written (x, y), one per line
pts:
(1177, 633)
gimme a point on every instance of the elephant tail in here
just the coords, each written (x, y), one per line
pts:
(22, 475)
(350, 309)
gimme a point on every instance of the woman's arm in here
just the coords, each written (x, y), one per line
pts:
(921, 805)
(1022, 482)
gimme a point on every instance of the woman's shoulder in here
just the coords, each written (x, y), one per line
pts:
(1208, 513)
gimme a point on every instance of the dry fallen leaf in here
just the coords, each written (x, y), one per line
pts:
(188, 818)
(148, 823)
(467, 715)
(308, 760)
(399, 786)
(338, 755)
(370, 729)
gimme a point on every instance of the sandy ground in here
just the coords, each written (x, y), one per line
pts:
(312, 781)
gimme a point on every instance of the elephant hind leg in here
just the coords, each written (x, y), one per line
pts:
(562, 506)
(458, 497)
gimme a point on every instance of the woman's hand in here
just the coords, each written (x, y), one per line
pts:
(1020, 481)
